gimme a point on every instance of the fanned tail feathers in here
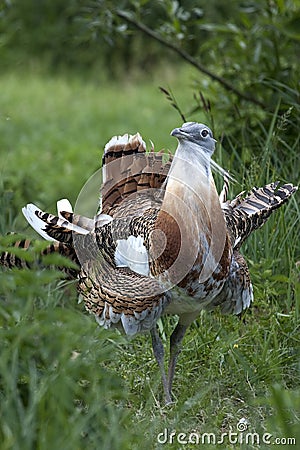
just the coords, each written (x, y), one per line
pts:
(128, 168)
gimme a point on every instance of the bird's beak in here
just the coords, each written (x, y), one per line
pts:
(174, 132)
(178, 132)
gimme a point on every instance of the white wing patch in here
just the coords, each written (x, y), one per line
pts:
(37, 224)
(63, 205)
(132, 253)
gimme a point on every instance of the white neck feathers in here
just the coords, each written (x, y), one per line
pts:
(190, 176)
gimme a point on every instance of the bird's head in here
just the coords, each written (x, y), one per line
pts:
(196, 133)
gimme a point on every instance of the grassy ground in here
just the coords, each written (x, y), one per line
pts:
(65, 383)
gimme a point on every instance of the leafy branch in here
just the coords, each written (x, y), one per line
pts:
(187, 57)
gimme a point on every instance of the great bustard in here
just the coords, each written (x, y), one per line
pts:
(163, 241)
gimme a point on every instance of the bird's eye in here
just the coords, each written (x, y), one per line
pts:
(204, 133)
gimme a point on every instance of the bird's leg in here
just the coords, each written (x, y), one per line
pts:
(175, 349)
(159, 353)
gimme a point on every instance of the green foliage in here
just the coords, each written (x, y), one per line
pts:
(55, 129)
(55, 388)
(245, 55)
(70, 35)
(45, 29)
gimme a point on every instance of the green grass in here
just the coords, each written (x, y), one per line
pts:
(66, 383)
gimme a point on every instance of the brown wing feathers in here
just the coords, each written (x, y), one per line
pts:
(245, 214)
